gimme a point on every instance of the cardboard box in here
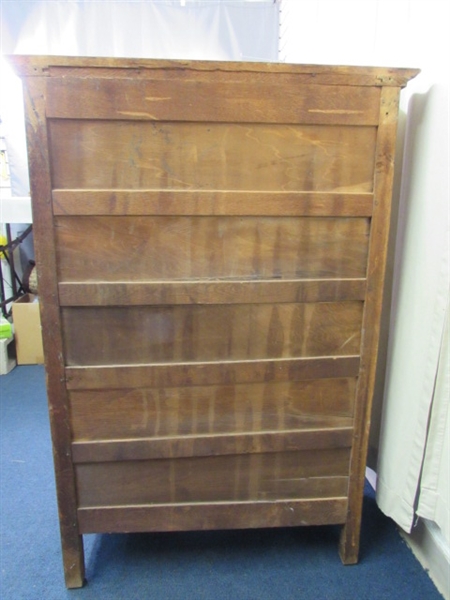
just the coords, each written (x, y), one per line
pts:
(27, 330)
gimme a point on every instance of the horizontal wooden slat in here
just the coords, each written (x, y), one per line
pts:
(210, 445)
(209, 203)
(183, 411)
(211, 292)
(233, 477)
(238, 102)
(204, 516)
(207, 373)
(115, 248)
(209, 332)
(211, 156)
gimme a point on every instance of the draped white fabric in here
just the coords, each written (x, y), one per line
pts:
(413, 467)
(435, 481)
(414, 434)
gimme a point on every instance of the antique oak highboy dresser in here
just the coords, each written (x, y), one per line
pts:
(211, 244)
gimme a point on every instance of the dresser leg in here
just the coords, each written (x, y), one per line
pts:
(73, 561)
(349, 542)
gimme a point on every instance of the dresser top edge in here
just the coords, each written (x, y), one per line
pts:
(56, 66)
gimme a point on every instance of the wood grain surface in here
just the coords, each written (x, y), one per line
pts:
(46, 261)
(185, 333)
(181, 411)
(241, 291)
(178, 447)
(213, 515)
(63, 66)
(236, 102)
(210, 373)
(376, 270)
(241, 477)
(211, 156)
(171, 248)
(177, 202)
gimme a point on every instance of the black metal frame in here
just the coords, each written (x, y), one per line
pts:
(7, 254)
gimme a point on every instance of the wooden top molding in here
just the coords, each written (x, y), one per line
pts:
(55, 66)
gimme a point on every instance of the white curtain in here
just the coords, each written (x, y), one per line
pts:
(413, 446)
(435, 481)
(413, 466)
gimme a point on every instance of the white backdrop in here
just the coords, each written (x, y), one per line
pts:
(195, 29)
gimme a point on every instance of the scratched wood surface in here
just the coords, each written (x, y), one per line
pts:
(211, 241)
(257, 72)
(232, 101)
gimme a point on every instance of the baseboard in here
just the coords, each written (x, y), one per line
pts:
(433, 552)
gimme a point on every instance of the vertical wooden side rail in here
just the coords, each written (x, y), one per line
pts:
(379, 237)
(72, 542)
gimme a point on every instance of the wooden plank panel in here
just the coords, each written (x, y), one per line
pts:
(217, 292)
(234, 515)
(273, 475)
(211, 445)
(180, 248)
(133, 413)
(208, 203)
(161, 334)
(211, 156)
(238, 102)
(210, 373)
